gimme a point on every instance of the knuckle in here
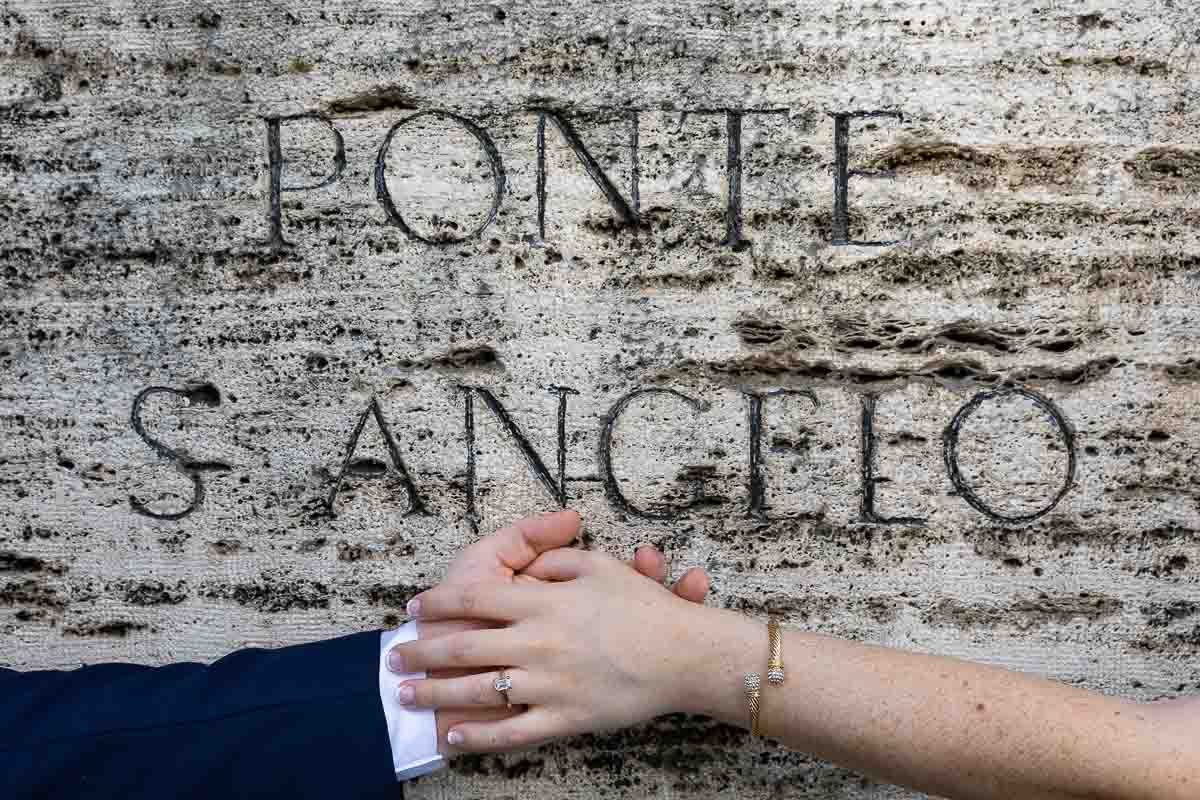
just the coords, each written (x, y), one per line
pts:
(545, 650)
(469, 598)
(513, 739)
(459, 649)
(484, 692)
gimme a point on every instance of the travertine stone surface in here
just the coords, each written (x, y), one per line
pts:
(1046, 210)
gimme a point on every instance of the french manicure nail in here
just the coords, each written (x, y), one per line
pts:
(395, 661)
(454, 737)
(406, 694)
(414, 607)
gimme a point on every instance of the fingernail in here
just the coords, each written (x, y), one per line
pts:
(414, 607)
(395, 661)
(406, 694)
(454, 737)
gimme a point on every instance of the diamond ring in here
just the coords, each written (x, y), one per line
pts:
(502, 684)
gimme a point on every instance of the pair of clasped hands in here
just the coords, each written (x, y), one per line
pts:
(568, 626)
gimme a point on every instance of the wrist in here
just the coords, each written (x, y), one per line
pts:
(721, 647)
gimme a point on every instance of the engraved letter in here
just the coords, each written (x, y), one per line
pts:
(489, 150)
(204, 394)
(415, 504)
(868, 513)
(733, 171)
(842, 175)
(758, 492)
(627, 214)
(950, 451)
(275, 162)
(611, 487)
(557, 489)
(733, 179)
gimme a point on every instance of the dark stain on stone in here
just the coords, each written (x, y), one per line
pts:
(367, 468)
(695, 281)
(979, 167)
(30, 592)
(1129, 61)
(946, 371)
(153, 592)
(808, 606)
(226, 547)
(351, 552)
(377, 99)
(118, 628)
(1093, 20)
(509, 768)
(273, 594)
(204, 394)
(856, 333)
(14, 562)
(678, 743)
(970, 165)
(1022, 613)
(1166, 566)
(1160, 615)
(1172, 641)
(1165, 166)
(393, 595)
(481, 356)
(1185, 639)
(759, 332)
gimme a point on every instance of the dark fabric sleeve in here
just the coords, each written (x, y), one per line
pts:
(298, 722)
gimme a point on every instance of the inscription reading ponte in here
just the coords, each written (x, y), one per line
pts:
(628, 211)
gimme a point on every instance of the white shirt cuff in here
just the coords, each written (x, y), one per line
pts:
(412, 731)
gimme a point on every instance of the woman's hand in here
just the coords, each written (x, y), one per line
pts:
(499, 559)
(603, 649)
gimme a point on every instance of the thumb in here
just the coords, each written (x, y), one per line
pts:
(514, 547)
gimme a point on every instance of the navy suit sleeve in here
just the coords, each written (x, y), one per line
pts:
(298, 722)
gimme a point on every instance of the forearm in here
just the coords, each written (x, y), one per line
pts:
(245, 726)
(940, 725)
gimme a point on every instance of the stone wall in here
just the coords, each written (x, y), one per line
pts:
(975, 435)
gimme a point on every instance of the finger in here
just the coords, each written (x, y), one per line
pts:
(693, 586)
(528, 729)
(470, 650)
(651, 563)
(447, 718)
(498, 602)
(473, 691)
(564, 564)
(431, 629)
(515, 546)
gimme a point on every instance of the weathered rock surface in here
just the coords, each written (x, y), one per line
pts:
(179, 389)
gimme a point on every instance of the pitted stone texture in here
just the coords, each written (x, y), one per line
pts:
(1047, 174)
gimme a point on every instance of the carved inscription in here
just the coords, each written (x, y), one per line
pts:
(556, 483)
(626, 209)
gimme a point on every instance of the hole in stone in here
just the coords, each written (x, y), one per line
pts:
(367, 468)
(204, 394)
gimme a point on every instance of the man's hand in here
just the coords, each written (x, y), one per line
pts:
(500, 558)
(504, 554)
